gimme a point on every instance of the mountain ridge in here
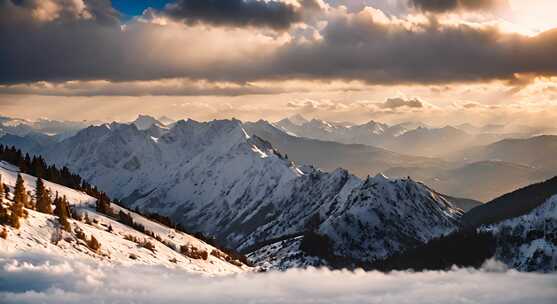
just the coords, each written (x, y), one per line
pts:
(215, 178)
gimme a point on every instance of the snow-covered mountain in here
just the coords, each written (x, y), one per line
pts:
(144, 122)
(297, 120)
(23, 127)
(120, 243)
(371, 133)
(166, 120)
(33, 143)
(529, 242)
(214, 178)
(518, 229)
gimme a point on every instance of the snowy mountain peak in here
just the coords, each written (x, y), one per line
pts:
(319, 123)
(297, 119)
(144, 122)
(381, 178)
(166, 120)
(375, 124)
(387, 215)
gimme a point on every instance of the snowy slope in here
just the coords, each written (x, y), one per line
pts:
(39, 232)
(214, 178)
(380, 217)
(529, 242)
(383, 216)
(285, 254)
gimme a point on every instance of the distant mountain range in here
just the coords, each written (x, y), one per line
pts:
(469, 180)
(509, 163)
(407, 138)
(226, 179)
(359, 159)
(22, 127)
(537, 152)
(33, 142)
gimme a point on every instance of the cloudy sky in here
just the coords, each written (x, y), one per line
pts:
(439, 61)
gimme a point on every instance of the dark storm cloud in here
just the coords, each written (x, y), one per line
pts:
(274, 14)
(66, 47)
(451, 5)
(351, 47)
(360, 48)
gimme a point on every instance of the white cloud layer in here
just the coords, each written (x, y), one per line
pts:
(42, 278)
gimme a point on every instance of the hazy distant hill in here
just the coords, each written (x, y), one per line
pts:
(361, 160)
(406, 138)
(482, 180)
(430, 141)
(538, 152)
(511, 205)
(33, 143)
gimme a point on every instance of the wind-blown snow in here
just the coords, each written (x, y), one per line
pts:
(41, 278)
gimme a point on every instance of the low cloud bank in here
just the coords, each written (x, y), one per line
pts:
(42, 278)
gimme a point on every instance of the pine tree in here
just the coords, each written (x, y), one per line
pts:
(62, 211)
(42, 198)
(1, 189)
(103, 205)
(3, 211)
(4, 217)
(22, 165)
(15, 213)
(20, 194)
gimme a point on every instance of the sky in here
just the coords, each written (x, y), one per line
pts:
(440, 62)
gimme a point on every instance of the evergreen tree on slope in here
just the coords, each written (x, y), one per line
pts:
(42, 198)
